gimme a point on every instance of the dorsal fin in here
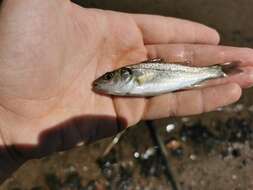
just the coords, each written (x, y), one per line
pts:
(154, 60)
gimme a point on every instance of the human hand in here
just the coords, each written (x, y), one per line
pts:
(54, 49)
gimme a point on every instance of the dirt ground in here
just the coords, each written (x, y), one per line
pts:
(213, 151)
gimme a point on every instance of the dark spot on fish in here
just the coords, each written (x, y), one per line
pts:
(108, 76)
(125, 72)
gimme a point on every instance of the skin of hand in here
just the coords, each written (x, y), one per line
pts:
(52, 50)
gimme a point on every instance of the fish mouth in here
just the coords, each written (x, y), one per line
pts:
(98, 88)
(95, 83)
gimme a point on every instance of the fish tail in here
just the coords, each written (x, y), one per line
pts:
(229, 68)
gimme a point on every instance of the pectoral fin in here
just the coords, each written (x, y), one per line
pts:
(144, 78)
(141, 79)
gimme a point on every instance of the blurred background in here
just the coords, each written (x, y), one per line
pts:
(213, 151)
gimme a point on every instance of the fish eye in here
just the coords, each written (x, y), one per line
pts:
(125, 72)
(108, 76)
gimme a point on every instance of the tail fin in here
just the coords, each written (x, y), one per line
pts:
(231, 68)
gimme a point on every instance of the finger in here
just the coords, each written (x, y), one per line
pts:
(163, 30)
(201, 55)
(130, 108)
(191, 102)
(204, 55)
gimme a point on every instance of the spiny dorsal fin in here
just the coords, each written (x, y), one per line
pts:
(153, 60)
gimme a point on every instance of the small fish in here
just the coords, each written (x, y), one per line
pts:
(155, 77)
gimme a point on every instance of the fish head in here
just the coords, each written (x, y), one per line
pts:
(118, 82)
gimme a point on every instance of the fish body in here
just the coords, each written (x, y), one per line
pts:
(154, 77)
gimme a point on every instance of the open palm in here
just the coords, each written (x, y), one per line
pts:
(54, 49)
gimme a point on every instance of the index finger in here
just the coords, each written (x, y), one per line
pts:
(160, 30)
(201, 55)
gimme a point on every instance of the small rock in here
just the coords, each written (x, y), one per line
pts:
(150, 152)
(170, 127)
(193, 157)
(85, 168)
(250, 108)
(80, 144)
(185, 119)
(234, 177)
(173, 144)
(136, 154)
(238, 107)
